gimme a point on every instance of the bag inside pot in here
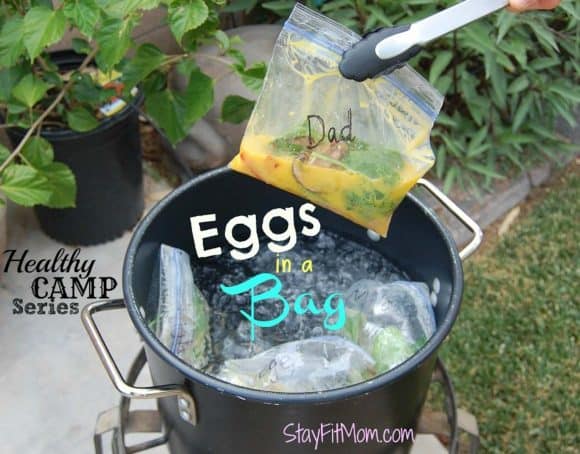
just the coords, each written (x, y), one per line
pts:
(387, 318)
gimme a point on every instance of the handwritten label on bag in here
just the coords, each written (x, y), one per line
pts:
(320, 132)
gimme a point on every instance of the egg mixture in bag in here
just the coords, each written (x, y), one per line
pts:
(354, 148)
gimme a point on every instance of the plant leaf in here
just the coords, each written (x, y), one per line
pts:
(571, 94)
(198, 96)
(146, 60)
(253, 77)
(165, 110)
(223, 40)
(505, 21)
(38, 152)
(81, 46)
(11, 44)
(520, 83)
(186, 67)
(439, 65)
(563, 110)
(281, 7)
(183, 17)
(380, 15)
(81, 120)
(446, 120)
(518, 49)
(62, 185)
(512, 138)
(9, 77)
(4, 153)
(478, 34)
(484, 170)
(453, 146)
(30, 90)
(156, 81)
(476, 141)
(86, 90)
(239, 59)
(443, 84)
(15, 108)
(522, 111)
(114, 39)
(440, 161)
(478, 150)
(121, 9)
(42, 27)
(544, 35)
(24, 185)
(236, 109)
(450, 179)
(175, 112)
(47, 3)
(498, 83)
(569, 8)
(84, 14)
(542, 131)
(544, 62)
(239, 5)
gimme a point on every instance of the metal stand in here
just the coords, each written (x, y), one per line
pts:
(121, 421)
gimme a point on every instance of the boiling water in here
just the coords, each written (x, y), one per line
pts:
(337, 263)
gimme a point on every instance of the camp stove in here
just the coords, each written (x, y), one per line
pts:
(447, 429)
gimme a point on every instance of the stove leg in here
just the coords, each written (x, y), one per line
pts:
(467, 423)
(138, 421)
(107, 421)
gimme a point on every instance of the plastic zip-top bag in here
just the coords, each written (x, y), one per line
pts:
(390, 321)
(182, 322)
(308, 365)
(355, 148)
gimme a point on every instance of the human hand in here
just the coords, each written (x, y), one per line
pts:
(527, 5)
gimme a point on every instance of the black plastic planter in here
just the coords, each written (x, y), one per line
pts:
(107, 165)
(205, 415)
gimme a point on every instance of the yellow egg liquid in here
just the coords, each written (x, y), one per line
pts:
(365, 201)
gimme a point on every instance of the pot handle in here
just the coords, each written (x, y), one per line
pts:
(459, 214)
(185, 400)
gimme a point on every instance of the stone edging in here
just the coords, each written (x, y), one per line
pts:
(490, 207)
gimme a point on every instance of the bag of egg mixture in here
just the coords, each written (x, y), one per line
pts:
(355, 148)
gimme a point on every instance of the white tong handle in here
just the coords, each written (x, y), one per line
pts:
(439, 24)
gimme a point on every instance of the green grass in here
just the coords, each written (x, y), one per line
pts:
(513, 353)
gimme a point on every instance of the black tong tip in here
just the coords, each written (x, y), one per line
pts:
(360, 62)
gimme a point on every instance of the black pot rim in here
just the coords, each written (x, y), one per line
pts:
(104, 125)
(393, 375)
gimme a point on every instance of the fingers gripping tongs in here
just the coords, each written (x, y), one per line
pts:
(387, 49)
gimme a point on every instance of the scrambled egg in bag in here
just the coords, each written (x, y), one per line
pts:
(354, 148)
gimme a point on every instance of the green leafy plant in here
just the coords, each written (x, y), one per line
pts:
(36, 95)
(505, 78)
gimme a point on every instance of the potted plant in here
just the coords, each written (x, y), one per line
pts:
(73, 116)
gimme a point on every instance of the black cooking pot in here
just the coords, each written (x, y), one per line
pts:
(205, 415)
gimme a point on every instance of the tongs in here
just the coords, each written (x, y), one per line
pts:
(387, 49)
